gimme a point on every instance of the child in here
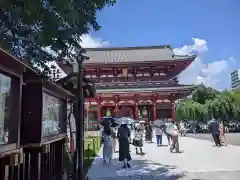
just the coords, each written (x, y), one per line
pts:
(175, 143)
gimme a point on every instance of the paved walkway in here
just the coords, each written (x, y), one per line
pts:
(199, 160)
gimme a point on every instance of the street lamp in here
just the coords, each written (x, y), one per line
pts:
(79, 151)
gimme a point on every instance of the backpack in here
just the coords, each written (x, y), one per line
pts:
(107, 128)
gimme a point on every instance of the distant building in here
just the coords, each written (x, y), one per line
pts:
(235, 79)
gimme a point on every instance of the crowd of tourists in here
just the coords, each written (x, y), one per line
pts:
(127, 134)
(133, 134)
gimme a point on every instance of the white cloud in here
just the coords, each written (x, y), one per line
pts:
(89, 41)
(199, 46)
(215, 74)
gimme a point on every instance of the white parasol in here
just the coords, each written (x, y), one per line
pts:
(125, 120)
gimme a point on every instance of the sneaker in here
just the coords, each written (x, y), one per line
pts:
(128, 165)
(124, 166)
(109, 163)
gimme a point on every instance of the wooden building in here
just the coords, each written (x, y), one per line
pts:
(11, 151)
(33, 122)
(142, 79)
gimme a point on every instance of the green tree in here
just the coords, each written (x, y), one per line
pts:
(224, 106)
(202, 94)
(28, 27)
(190, 110)
(236, 105)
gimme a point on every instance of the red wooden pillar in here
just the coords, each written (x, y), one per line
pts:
(116, 109)
(136, 111)
(99, 114)
(154, 111)
(172, 106)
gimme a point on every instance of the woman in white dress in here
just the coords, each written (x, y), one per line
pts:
(182, 129)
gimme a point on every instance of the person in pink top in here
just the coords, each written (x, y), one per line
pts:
(222, 134)
(175, 142)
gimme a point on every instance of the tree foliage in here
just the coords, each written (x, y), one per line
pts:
(202, 94)
(207, 103)
(28, 27)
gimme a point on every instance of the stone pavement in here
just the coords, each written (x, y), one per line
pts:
(199, 160)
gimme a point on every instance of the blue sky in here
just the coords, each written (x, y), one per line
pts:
(160, 22)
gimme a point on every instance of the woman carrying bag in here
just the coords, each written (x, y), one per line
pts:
(138, 140)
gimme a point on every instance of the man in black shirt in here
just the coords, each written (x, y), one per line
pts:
(213, 127)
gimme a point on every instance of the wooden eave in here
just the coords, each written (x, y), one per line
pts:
(70, 82)
(150, 89)
(122, 57)
(13, 61)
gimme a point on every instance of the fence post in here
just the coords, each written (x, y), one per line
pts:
(94, 147)
(88, 149)
(98, 144)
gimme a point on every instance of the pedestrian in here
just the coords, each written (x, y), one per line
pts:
(222, 134)
(168, 131)
(194, 128)
(114, 139)
(138, 140)
(130, 127)
(159, 124)
(175, 142)
(214, 129)
(148, 136)
(107, 141)
(182, 129)
(124, 144)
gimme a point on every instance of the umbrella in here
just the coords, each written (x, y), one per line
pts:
(125, 120)
(106, 119)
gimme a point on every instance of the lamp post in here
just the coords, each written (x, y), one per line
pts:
(79, 151)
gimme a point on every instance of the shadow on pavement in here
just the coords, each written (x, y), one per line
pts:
(140, 169)
(232, 138)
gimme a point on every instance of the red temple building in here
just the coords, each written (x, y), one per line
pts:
(142, 79)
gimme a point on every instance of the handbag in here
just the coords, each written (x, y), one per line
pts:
(134, 142)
